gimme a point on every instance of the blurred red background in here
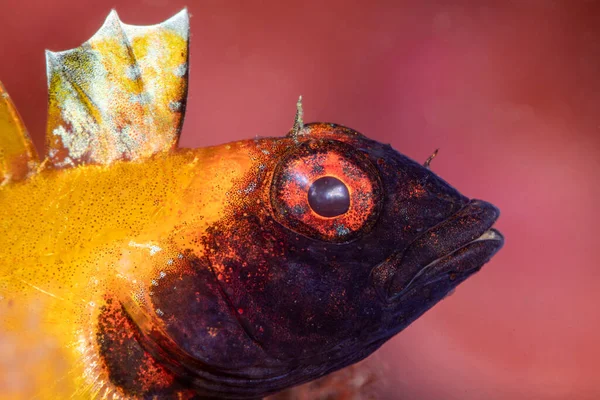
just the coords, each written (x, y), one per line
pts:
(509, 91)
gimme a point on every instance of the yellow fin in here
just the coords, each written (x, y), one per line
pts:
(18, 157)
(119, 96)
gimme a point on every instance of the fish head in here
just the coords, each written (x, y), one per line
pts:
(332, 244)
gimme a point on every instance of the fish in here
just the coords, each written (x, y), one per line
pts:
(133, 268)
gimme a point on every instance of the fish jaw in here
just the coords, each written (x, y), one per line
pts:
(445, 255)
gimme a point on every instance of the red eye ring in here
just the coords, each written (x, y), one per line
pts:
(312, 161)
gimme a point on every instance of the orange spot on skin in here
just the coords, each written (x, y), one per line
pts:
(417, 191)
(153, 375)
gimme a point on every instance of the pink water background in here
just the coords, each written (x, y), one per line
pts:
(508, 90)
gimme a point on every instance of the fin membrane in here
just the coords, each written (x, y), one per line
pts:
(119, 96)
(18, 158)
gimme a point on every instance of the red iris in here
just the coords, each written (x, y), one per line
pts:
(327, 190)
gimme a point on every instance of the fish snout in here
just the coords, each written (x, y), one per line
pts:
(453, 249)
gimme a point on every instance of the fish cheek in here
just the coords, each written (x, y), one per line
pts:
(296, 296)
(200, 319)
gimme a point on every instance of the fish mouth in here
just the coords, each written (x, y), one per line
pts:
(449, 252)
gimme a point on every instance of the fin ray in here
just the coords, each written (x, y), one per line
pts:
(119, 96)
(18, 158)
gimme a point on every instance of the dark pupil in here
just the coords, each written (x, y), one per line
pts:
(329, 197)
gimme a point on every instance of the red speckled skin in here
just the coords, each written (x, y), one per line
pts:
(276, 299)
(508, 90)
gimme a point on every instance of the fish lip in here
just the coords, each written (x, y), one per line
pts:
(454, 249)
(491, 235)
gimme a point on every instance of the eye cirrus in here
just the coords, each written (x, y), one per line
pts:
(326, 190)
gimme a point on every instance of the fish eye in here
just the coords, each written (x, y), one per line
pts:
(329, 197)
(326, 190)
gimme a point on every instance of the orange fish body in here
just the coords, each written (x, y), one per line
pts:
(69, 236)
(131, 268)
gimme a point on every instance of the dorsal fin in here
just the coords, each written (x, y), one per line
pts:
(18, 157)
(119, 96)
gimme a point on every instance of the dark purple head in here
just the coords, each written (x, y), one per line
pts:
(331, 246)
